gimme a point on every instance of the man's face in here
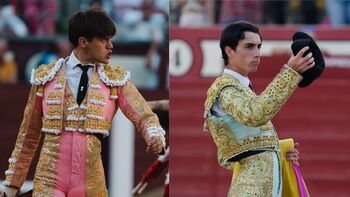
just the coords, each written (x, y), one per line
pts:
(246, 57)
(99, 50)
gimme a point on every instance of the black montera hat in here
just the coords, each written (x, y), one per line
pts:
(301, 40)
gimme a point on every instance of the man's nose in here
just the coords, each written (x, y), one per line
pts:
(110, 44)
(257, 52)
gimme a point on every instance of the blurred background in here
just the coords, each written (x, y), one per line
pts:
(34, 32)
(317, 116)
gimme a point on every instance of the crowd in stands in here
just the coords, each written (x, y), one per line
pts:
(203, 13)
(8, 66)
(146, 21)
(49, 17)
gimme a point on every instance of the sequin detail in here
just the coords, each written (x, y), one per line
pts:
(45, 174)
(95, 185)
(255, 177)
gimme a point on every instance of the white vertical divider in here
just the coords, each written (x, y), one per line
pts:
(121, 156)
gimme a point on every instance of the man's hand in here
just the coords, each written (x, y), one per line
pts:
(300, 63)
(154, 145)
(8, 192)
(293, 155)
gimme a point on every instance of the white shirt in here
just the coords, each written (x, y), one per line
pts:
(216, 108)
(73, 73)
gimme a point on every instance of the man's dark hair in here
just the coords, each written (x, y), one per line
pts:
(89, 24)
(233, 33)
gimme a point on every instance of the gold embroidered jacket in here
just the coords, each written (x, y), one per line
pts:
(247, 123)
(48, 110)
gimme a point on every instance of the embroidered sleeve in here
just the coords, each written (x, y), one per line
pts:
(27, 140)
(136, 109)
(253, 110)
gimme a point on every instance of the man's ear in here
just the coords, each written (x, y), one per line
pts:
(229, 51)
(82, 42)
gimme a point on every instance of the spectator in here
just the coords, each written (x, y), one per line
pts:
(58, 49)
(124, 6)
(338, 12)
(232, 11)
(40, 16)
(194, 14)
(10, 24)
(145, 24)
(8, 67)
(303, 12)
(275, 11)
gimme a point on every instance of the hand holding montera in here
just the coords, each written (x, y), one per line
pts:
(300, 63)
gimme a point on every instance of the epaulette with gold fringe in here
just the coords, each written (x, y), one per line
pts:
(45, 73)
(214, 91)
(113, 76)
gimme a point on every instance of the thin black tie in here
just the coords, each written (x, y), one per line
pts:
(251, 87)
(83, 83)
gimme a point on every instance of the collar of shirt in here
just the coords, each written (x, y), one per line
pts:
(242, 79)
(73, 61)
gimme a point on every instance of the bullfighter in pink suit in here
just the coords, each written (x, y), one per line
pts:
(71, 101)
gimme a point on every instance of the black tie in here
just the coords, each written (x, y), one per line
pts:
(83, 83)
(251, 87)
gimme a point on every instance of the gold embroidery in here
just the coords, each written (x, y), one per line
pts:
(54, 110)
(253, 110)
(72, 124)
(74, 113)
(96, 95)
(40, 90)
(114, 92)
(45, 175)
(242, 104)
(114, 73)
(229, 147)
(69, 101)
(95, 110)
(255, 177)
(30, 128)
(137, 109)
(44, 70)
(56, 95)
(94, 80)
(60, 80)
(248, 109)
(96, 185)
(92, 124)
(54, 125)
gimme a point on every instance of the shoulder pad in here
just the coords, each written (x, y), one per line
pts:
(215, 89)
(45, 73)
(113, 75)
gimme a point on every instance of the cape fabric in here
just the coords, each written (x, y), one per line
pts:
(293, 184)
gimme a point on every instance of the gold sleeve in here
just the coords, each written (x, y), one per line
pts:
(27, 140)
(253, 110)
(138, 111)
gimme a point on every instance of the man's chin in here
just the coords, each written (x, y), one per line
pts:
(254, 69)
(104, 61)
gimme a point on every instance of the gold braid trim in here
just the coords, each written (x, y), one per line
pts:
(45, 73)
(113, 76)
(256, 111)
(27, 141)
(242, 104)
